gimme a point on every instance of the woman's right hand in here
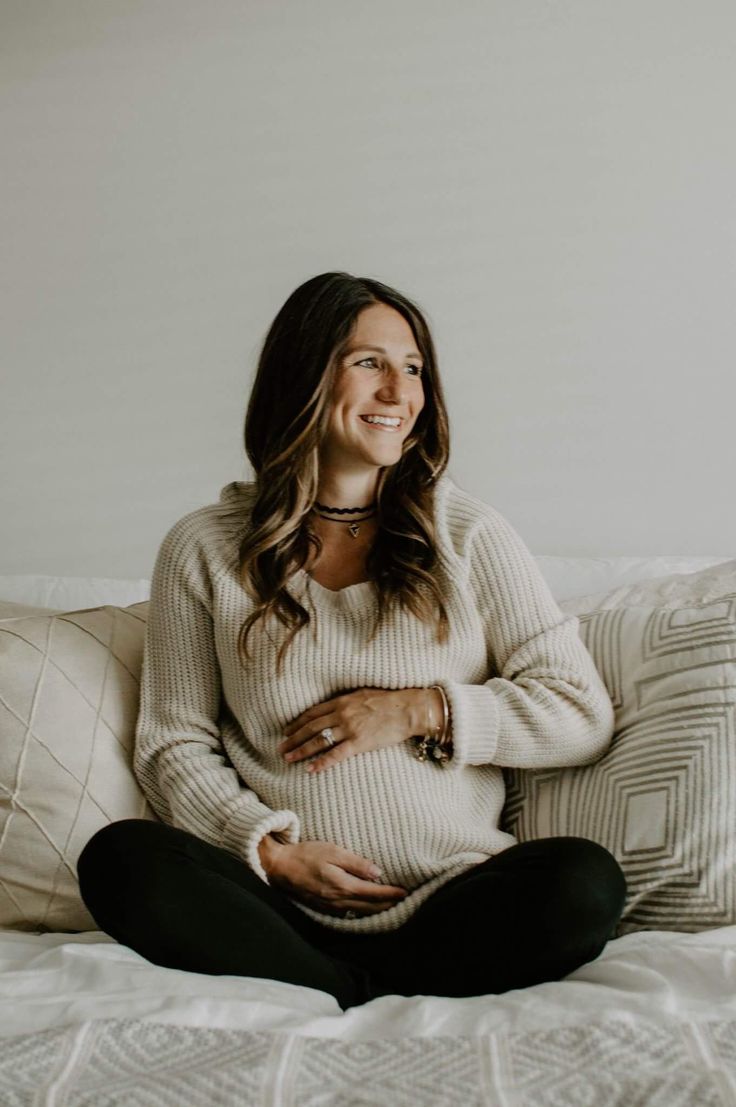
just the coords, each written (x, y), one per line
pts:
(326, 877)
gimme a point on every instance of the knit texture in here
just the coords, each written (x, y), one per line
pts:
(522, 688)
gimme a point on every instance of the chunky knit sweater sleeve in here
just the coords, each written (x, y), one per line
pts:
(546, 704)
(179, 757)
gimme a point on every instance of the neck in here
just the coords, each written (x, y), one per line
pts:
(347, 491)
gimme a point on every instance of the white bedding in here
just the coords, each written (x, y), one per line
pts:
(84, 1021)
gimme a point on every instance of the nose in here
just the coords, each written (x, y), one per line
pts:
(392, 388)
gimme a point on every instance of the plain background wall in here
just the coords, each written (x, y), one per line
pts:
(553, 183)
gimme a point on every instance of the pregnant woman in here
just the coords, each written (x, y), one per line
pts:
(341, 657)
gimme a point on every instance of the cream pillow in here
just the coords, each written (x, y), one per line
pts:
(676, 589)
(663, 796)
(69, 687)
(11, 610)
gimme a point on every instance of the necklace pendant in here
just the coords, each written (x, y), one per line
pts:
(354, 528)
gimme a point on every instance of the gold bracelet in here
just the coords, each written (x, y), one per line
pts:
(430, 730)
(443, 737)
(435, 745)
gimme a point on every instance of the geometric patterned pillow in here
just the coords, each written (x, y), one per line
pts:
(69, 688)
(662, 798)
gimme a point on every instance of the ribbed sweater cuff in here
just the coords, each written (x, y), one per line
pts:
(474, 717)
(242, 834)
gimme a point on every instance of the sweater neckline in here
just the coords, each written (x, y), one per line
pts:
(352, 597)
(357, 597)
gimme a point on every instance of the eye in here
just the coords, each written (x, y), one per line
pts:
(417, 369)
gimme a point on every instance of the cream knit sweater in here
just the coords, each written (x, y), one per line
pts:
(522, 688)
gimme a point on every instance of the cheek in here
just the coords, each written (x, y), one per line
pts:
(342, 417)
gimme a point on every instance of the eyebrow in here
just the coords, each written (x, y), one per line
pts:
(379, 349)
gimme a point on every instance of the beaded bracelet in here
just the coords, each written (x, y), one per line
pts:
(435, 746)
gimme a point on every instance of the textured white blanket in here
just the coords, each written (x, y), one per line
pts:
(86, 1021)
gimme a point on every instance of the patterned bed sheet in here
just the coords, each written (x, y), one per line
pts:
(85, 1022)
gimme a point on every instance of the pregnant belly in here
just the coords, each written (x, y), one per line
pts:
(412, 819)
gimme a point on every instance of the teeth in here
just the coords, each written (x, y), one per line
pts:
(383, 419)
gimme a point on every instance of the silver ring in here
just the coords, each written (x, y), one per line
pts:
(351, 915)
(327, 735)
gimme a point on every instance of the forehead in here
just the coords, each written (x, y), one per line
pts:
(382, 329)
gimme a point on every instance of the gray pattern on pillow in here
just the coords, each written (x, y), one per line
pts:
(662, 798)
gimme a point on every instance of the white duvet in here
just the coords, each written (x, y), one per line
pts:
(85, 1021)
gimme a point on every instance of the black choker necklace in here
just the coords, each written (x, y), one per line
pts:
(354, 525)
(344, 510)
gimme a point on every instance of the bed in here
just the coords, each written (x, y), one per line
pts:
(86, 1021)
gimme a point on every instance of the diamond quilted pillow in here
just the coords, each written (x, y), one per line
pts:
(663, 796)
(69, 688)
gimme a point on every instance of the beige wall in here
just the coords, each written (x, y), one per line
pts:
(552, 181)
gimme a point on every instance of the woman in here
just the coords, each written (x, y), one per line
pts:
(340, 658)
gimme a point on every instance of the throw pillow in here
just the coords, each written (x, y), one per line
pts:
(69, 687)
(674, 590)
(662, 798)
(11, 610)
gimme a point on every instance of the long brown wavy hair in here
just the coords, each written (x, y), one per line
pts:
(286, 420)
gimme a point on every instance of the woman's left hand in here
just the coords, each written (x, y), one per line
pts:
(363, 720)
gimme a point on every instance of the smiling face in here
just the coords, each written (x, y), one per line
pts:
(380, 375)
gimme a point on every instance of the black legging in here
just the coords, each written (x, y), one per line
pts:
(536, 911)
